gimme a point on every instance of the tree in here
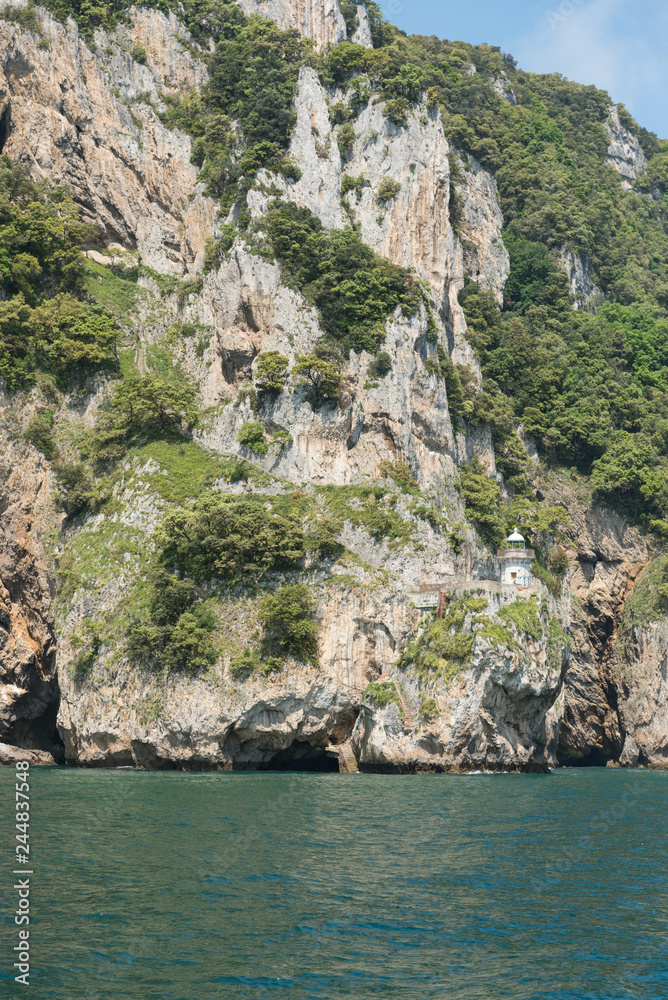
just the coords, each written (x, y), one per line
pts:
(77, 491)
(322, 378)
(231, 538)
(251, 434)
(288, 615)
(482, 500)
(271, 372)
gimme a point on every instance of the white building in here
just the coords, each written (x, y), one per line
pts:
(516, 561)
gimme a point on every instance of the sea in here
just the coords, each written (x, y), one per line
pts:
(314, 886)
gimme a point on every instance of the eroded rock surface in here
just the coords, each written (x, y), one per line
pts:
(28, 680)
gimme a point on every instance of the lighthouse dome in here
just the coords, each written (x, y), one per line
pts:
(515, 541)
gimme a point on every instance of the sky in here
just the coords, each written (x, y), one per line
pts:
(618, 45)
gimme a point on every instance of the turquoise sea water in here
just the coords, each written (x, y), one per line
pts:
(284, 886)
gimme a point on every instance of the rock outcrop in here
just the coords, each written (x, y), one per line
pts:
(498, 713)
(28, 679)
(123, 716)
(607, 557)
(624, 152)
(578, 267)
(89, 120)
(640, 677)
(320, 20)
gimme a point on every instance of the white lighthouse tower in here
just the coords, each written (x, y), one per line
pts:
(516, 561)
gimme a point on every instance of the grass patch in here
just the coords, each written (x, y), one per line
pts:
(381, 694)
(118, 295)
(524, 616)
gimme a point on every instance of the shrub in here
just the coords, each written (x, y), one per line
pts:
(251, 435)
(157, 404)
(232, 538)
(40, 433)
(177, 632)
(87, 641)
(77, 490)
(482, 500)
(428, 710)
(354, 289)
(558, 561)
(401, 473)
(288, 616)
(381, 694)
(387, 190)
(345, 139)
(349, 183)
(139, 54)
(253, 661)
(380, 366)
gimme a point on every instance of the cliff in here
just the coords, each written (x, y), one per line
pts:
(371, 474)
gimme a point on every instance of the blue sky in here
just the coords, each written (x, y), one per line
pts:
(619, 45)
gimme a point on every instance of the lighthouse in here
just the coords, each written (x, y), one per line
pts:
(516, 561)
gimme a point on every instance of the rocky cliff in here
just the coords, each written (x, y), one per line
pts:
(86, 112)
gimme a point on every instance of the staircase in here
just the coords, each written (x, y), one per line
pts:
(347, 758)
(409, 721)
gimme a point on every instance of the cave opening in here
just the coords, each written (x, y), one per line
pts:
(596, 758)
(302, 756)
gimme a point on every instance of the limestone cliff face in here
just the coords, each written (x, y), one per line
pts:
(412, 227)
(581, 282)
(85, 120)
(498, 713)
(122, 716)
(403, 417)
(642, 686)
(28, 681)
(607, 557)
(320, 20)
(624, 152)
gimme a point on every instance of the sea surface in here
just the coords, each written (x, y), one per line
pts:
(289, 886)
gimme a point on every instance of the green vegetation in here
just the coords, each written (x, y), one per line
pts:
(428, 710)
(288, 616)
(482, 500)
(388, 189)
(524, 616)
(354, 289)
(444, 648)
(401, 474)
(368, 507)
(45, 326)
(252, 436)
(138, 53)
(176, 633)
(271, 373)
(232, 538)
(648, 602)
(381, 694)
(380, 366)
(557, 641)
(140, 408)
(322, 378)
(253, 75)
(40, 433)
(86, 643)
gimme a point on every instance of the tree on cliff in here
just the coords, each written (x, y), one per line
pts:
(322, 378)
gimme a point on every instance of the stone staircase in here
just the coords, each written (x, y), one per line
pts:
(347, 758)
(409, 720)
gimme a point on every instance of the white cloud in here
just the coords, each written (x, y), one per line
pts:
(609, 44)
